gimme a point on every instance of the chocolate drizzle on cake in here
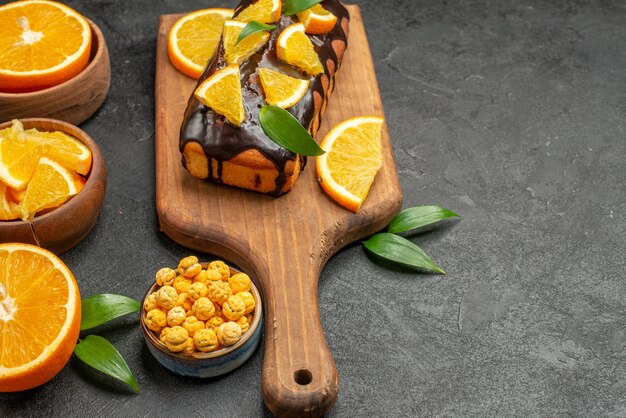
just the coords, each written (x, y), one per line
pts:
(222, 141)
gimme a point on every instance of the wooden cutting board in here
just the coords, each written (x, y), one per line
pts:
(282, 243)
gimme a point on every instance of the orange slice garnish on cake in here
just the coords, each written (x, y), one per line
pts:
(42, 44)
(262, 11)
(353, 158)
(222, 93)
(295, 48)
(39, 316)
(237, 53)
(51, 186)
(280, 89)
(194, 38)
(317, 20)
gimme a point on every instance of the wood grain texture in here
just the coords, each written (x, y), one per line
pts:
(64, 227)
(73, 101)
(283, 243)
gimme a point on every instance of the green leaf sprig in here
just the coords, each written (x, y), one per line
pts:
(252, 28)
(284, 129)
(400, 250)
(99, 309)
(100, 354)
(292, 7)
(96, 351)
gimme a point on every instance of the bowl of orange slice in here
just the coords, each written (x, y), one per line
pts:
(54, 62)
(52, 183)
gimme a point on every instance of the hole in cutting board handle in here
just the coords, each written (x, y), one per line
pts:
(303, 376)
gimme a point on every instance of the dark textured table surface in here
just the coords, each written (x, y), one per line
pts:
(511, 113)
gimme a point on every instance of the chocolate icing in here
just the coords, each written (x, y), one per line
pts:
(222, 141)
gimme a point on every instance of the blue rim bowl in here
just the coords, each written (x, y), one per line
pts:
(214, 363)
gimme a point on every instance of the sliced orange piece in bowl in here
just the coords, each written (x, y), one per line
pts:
(353, 158)
(237, 54)
(39, 316)
(63, 148)
(42, 44)
(317, 20)
(263, 11)
(295, 48)
(193, 40)
(222, 93)
(280, 89)
(51, 185)
(18, 158)
(8, 207)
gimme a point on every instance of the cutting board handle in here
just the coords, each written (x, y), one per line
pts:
(299, 373)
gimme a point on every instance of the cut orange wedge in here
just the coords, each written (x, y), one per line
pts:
(8, 208)
(237, 54)
(51, 186)
(295, 48)
(222, 93)
(353, 158)
(63, 148)
(280, 89)
(194, 38)
(39, 316)
(317, 20)
(263, 11)
(42, 44)
(18, 158)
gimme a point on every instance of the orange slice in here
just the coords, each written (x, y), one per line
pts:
(282, 90)
(18, 158)
(237, 54)
(222, 93)
(295, 48)
(352, 159)
(317, 20)
(194, 38)
(8, 208)
(51, 186)
(63, 148)
(263, 11)
(42, 44)
(39, 316)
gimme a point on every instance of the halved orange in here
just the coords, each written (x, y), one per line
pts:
(42, 44)
(280, 89)
(222, 93)
(8, 208)
(353, 158)
(194, 38)
(263, 11)
(237, 54)
(317, 20)
(295, 48)
(39, 316)
(51, 186)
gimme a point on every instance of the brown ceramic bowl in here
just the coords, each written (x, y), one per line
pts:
(210, 364)
(72, 101)
(64, 227)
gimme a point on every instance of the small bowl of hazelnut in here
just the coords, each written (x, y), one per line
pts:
(202, 319)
